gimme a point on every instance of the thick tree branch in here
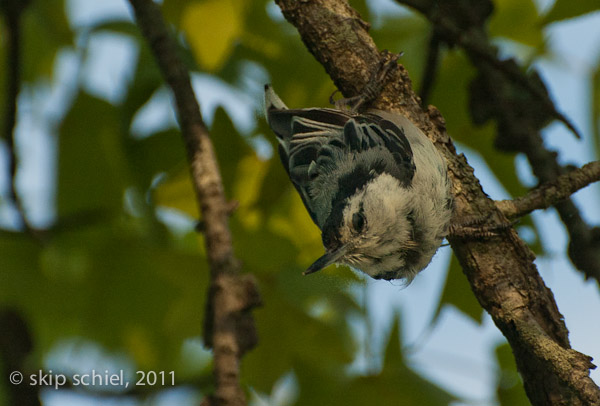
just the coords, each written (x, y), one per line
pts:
(549, 194)
(519, 102)
(13, 10)
(500, 270)
(229, 327)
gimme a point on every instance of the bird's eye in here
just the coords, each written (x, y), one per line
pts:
(358, 221)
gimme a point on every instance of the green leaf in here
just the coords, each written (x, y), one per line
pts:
(260, 249)
(290, 220)
(146, 81)
(297, 338)
(157, 153)
(92, 168)
(510, 389)
(19, 276)
(211, 28)
(275, 185)
(231, 149)
(517, 20)
(107, 284)
(173, 9)
(241, 170)
(451, 97)
(450, 94)
(457, 292)
(269, 44)
(565, 9)
(393, 354)
(45, 31)
(396, 384)
(176, 191)
(423, 392)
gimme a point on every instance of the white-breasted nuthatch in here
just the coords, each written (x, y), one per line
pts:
(373, 183)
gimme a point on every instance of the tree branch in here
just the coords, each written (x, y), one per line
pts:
(551, 193)
(229, 327)
(13, 10)
(500, 270)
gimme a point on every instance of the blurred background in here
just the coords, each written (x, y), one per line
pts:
(100, 266)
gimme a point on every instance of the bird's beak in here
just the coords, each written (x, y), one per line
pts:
(327, 259)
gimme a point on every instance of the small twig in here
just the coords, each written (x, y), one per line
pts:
(551, 193)
(229, 328)
(13, 10)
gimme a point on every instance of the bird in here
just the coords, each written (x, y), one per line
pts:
(372, 182)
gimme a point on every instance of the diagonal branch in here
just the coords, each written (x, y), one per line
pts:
(551, 193)
(500, 270)
(229, 327)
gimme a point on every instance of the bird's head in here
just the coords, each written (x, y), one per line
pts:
(373, 231)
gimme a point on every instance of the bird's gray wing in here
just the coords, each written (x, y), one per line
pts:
(302, 134)
(309, 138)
(371, 131)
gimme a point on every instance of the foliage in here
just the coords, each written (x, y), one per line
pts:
(120, 264)
(509, 386)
